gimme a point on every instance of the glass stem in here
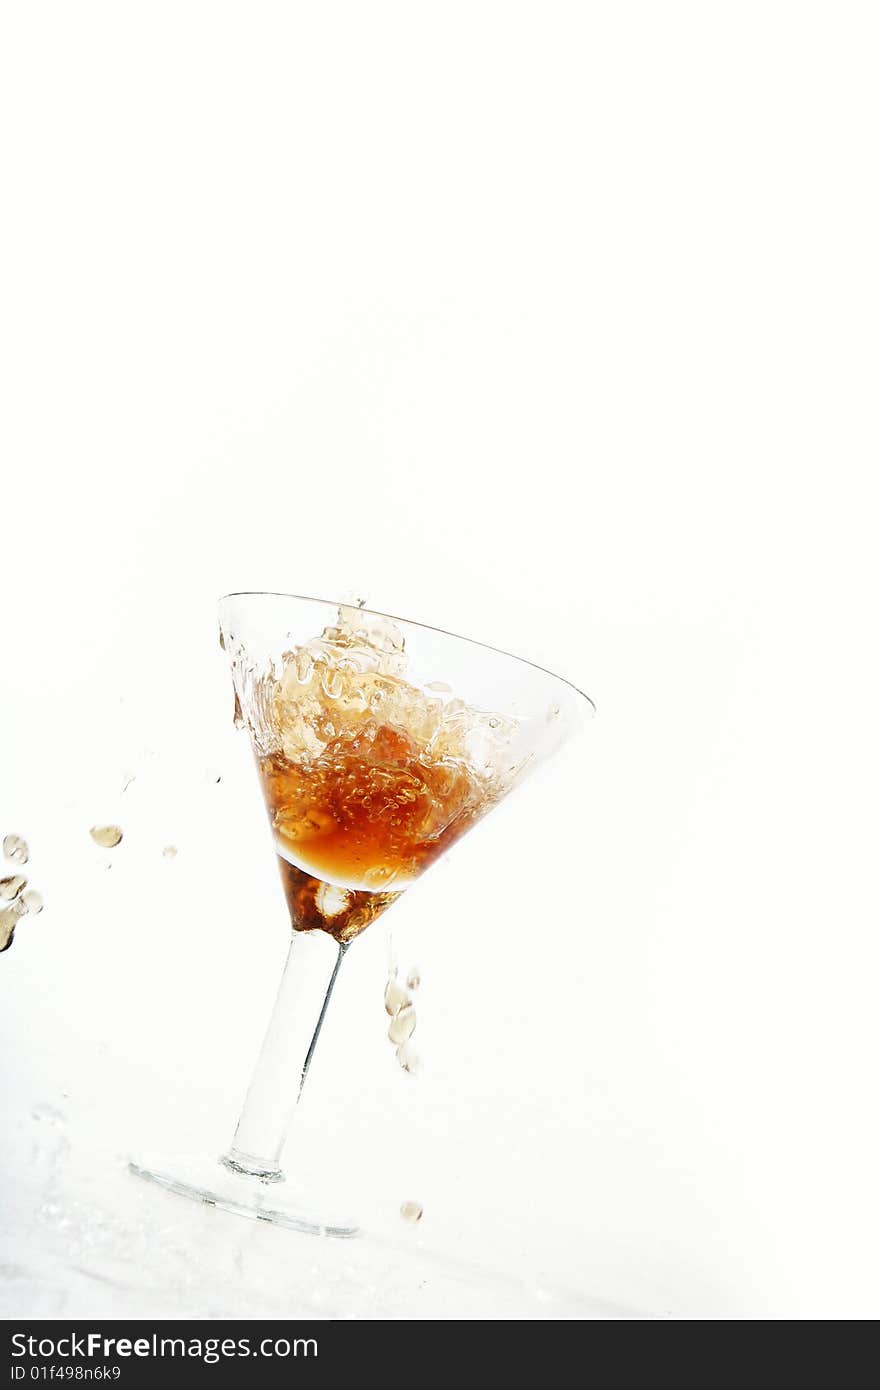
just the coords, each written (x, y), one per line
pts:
(310, 973)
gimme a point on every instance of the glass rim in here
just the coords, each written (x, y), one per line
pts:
(411, 622)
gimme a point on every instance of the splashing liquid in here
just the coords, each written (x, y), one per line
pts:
(367, 778)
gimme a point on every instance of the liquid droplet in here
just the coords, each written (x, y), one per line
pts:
(8, 921)
(409, 1059)
(15, 848)
(107, 836)
(396, 997)
(169, 852)
(402, 1025)
(414, 978)
(411, 1211)
(33, 901)
(350, 599)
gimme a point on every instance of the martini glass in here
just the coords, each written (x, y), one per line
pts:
(378, 742)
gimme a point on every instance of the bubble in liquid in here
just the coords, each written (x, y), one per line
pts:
(11, 887)
(15, 848)
(169, 852)
(33, 901)
(396, 997)
(402, 1025)
(414, 978)
(107, 836)
(411, 1211)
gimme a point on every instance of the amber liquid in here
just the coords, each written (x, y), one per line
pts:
(355, 826)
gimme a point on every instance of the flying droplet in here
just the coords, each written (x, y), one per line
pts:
(8, 921)
(11, 887)
(15, 848)
(413, 979)
(169, 852)
(396, 997)
(107, 836)
(127, 779)
(409, 1059)
(411, 1211)
(33, 901)
(402, 1026)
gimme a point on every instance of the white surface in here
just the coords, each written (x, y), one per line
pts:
(555, 325)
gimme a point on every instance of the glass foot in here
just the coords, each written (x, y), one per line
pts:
(277, 1200)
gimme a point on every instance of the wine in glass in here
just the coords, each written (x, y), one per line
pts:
(379, 743)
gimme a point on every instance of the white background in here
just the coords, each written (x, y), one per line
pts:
(554, 325)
